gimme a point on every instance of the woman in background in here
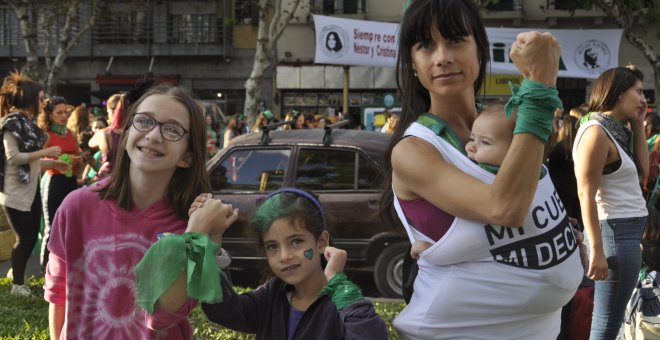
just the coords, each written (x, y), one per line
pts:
(613, 208)
(21, 163)
(56, 185)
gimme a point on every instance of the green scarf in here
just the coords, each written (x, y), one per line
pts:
(59, 129)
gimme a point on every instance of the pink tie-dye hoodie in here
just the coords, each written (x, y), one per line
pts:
(94, 247)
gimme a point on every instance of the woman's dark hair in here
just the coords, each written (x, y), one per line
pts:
(610, 85)
(19, 92)
(338, 44)
(43, 121)
(186, 183)
(566, 134)
(454, 19)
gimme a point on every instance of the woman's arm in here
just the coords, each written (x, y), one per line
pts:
(99, 141)
(505, 202)
(640, 148)
(15, 157)
(592, 151)
(508, 199)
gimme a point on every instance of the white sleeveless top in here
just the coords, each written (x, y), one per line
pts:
(483, 281)
(619, 194)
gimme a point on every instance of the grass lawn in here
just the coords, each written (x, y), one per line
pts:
(27, 317)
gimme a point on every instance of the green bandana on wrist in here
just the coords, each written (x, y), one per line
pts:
(166, 259)
(536, 105)
(342, 291)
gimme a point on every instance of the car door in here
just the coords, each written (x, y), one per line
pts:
(242, 177)
(348, 184)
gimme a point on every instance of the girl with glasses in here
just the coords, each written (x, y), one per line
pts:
(102, 231)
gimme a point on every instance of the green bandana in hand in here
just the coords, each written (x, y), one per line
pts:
(342, 291)
(166, 259)
(536, 105)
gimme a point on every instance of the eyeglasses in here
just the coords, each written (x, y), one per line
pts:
(170, 131)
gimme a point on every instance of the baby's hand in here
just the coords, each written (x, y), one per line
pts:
(336, 261)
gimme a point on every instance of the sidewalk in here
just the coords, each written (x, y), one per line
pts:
(33, 267)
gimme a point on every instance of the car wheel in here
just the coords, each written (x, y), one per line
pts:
(388, 271)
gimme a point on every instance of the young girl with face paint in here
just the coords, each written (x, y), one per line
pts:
(303, 300)
(101, 232)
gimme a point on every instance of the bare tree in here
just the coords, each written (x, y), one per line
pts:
(274, 16)
(42, 16)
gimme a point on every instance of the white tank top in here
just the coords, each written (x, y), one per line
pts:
(483, 281)
(619, 194)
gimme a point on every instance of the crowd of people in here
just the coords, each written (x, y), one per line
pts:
(510, 206)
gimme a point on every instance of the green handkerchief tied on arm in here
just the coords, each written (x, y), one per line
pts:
(166, 259)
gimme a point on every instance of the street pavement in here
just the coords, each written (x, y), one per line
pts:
(33, 267)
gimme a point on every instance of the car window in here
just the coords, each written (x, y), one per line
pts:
(369, 177)
(323, 169)
(251, 170)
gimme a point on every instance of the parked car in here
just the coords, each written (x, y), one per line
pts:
(343, 168)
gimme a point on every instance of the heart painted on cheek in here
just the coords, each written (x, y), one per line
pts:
(309, 253)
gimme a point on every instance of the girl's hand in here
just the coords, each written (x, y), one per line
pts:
(597, 265)
(60, 166)
(536, 55)
(53, 152)
(211, 217)
(336, 261)
(198, 202)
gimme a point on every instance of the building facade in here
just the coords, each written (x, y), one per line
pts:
(208, 46)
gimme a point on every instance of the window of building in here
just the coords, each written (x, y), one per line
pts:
(120, 27)
(246, 12)
(5, 27)
(337, 6)
(199, 28)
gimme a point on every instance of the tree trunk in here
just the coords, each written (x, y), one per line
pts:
(267, 35)
(261, 63)
(23, 11)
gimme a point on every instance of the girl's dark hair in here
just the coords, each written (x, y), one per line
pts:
(186, 183)
(292, 206)
(454, 19)
(610, 85)
(19, 92)
(43, 121)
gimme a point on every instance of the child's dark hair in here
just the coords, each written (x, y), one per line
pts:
(290, 205)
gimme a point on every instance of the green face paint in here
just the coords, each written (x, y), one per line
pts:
(309, 253)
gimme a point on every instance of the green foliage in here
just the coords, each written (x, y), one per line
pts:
(23, 317)
(27, 317)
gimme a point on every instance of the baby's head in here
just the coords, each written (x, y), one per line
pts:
(491, 135)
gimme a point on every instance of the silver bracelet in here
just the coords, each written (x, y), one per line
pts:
(223, 260)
